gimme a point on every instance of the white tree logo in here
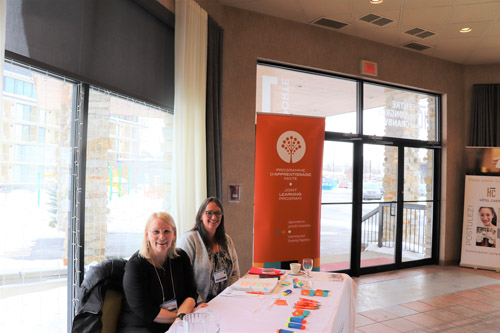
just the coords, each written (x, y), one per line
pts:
(291, 147)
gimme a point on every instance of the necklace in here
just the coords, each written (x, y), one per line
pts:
(159, 280)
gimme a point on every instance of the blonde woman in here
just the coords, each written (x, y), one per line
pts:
(158, 282)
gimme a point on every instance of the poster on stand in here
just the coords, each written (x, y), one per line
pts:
(287, 211)
(480, 237)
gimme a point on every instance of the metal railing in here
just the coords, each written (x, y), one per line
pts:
(379, 227)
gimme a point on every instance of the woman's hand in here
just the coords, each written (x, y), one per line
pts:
(200, 306)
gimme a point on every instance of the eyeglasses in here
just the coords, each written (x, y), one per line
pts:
(210, 213)
(157, 232)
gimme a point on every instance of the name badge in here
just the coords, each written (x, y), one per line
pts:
(170, 305)
(220, 276)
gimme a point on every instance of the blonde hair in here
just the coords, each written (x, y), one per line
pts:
(145, 247)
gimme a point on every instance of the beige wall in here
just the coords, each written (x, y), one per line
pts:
(249, 36)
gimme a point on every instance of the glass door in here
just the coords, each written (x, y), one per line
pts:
(418, 206)
(381, 162)
(379, 203)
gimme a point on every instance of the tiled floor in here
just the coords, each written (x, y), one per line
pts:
(429, 299)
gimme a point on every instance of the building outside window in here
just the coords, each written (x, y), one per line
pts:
(40, 145)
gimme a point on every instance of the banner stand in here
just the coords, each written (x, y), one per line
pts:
(480, 234)
(287, 210)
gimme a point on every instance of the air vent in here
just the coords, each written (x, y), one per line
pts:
(370, 18)
(328, 23)
(421, 33)
(375, 19)
(416, 46)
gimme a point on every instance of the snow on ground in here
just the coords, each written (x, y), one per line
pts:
(40, 311)
(39, 307)
(23, 221)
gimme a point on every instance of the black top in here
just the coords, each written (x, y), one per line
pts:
(143, 293)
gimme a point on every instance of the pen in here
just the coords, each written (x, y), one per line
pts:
(298, 319)
(308, 300)
(307, 304)
(255, 292)
(295, 325)
(305, 308)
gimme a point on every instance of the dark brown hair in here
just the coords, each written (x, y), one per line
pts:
(220, 233)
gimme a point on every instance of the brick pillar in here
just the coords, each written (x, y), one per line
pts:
(401, 117)
(98, 162)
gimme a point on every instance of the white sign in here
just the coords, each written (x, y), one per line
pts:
(480, 242)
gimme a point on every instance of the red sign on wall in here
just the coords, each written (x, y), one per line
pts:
(369, 68)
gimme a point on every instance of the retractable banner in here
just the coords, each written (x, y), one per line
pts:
(480, 226)
(287, 211)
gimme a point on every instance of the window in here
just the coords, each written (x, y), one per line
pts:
(22, 132)
(41, 135)
(307, 94)
(399, 113)
(380, 141)
(17, 86)
(124, 183)
(9, 84)
(23, 112)
(34, 196)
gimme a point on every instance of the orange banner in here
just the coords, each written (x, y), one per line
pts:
(288, 164)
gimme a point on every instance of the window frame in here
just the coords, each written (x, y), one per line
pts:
(78, 142)
(359, 139)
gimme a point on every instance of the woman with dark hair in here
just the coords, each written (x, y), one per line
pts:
(211, 250)
(488, 216)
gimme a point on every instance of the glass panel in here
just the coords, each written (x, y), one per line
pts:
(9, 84)
(378, 234)
(34, 196)
(337, 172)
(380, 169)
(288, 91)
(417, 216)
(378, 222)
(124, 185)
(336, 228)
(417, 231)
(399, 113)
(336, 219)
(419, 174)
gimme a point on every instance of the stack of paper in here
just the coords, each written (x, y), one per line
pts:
(260, 285)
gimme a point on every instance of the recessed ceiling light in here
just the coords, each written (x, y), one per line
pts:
(465, 30)
(376, 2)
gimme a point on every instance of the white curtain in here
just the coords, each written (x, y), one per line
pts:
(190, 184)
(3, 16)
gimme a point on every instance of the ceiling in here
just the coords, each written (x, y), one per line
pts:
(434, 24)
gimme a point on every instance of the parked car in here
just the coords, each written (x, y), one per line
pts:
(372, 191)
(345, 184)
(327, 184)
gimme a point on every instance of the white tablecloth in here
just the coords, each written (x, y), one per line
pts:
(241, 312)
